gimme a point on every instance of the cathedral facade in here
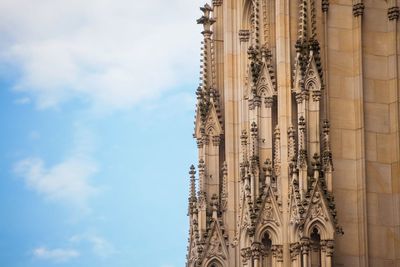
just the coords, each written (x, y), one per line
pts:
(297, 127)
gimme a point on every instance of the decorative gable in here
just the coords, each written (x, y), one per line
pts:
(265, 84)
(313, 82)
(269, 212)
(211, 124)
(216, 245)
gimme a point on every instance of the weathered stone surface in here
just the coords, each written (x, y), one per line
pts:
(297, 126)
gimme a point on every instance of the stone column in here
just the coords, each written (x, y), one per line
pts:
(246, 255)
(295, 255)
(256, 254)
(305, 251)
(277, 256)
(329, 252)
(358, 13)
(323, 253)
(284, 72)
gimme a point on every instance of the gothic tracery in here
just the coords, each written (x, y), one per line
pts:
(263, 216)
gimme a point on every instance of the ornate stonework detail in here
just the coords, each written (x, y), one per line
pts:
(317, 209)
(216, 140)
(215, 247)
(325, 6)
(274, 137)
(277, 252)
(266, 22)
(295, 249)
(358, 9)
(277, 151)
(393, 13)
(305, 245)
(245, 254)
(244, 35)
(291, 145)
(268, 213)
(217, 2)
(256, 250)
(330, 248)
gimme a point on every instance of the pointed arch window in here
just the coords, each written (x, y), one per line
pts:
(315, 248)
(214, 263)
(266, 243)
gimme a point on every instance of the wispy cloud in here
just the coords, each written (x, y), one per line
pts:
(99, 245)
(55, 255)
(22, 101)
(110, 53)
(67, 181)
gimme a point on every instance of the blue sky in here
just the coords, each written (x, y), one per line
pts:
(97, 106)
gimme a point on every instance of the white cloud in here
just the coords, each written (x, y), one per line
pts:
(22, 101)
(99, 245)
(111, 53)
(56, 255)
(66, 182)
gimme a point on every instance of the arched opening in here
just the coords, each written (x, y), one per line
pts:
(214, 263)
(266, 243)
(315, 248)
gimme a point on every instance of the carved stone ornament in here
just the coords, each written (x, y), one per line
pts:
(256, 250)
(325, 6)
(358, 9)
(305, 246)
(244, 35)
(245, 220)
(268, 213)
(294, 250)
(317, 209)
(215, 247)
(277, 252)
(393, 13)
(246, 255)
(217, 2)
(330, 248)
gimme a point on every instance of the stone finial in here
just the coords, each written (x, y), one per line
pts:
(224, 191)
(315, 162)
(255, 23)
(394, 13)
(277, 151)
(325, 6)
(192, 195)
(302, 31)
(291, 144)
(358, 9)
(267, 172)
(217, 2)
(254, 129)
(214, 206)
(302, 124)
(243, 138)
(325, 126)
(206, 19)
(244, 35)
(201, 168)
